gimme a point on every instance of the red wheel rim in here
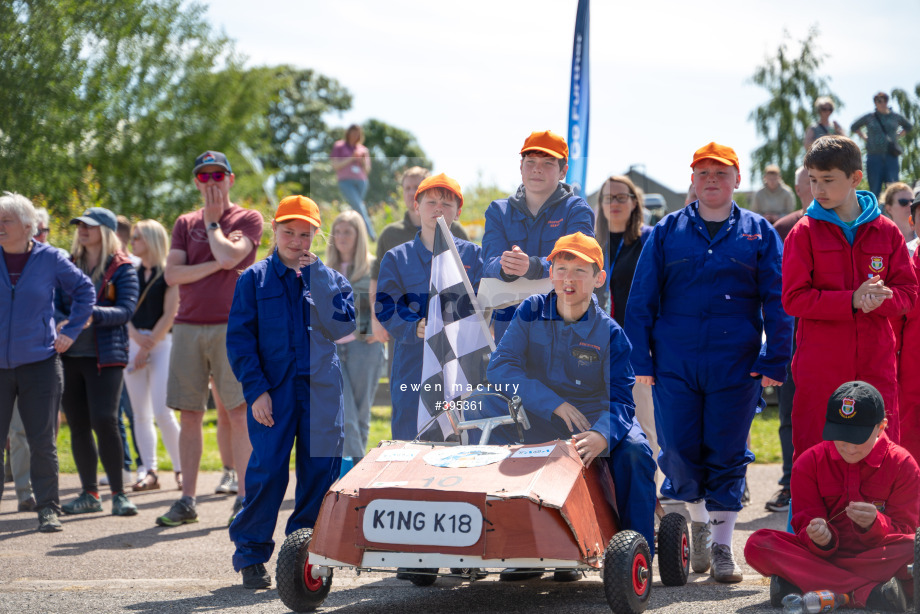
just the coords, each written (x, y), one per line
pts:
(684, 550)
(640, 569)
(312, 584)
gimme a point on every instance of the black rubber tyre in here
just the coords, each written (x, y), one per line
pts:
(422, 579)
(916, 572)
(293, 590)
(673, 550)
(627, 573)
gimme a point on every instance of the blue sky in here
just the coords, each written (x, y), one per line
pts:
(472, 79)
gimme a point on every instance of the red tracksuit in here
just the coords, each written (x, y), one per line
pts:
(821, 271)
(823, 484)
(909, 377)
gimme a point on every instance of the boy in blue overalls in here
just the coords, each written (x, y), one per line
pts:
(402, 296)
(706, 287)
(521, 230)
(287, 312)
(569, 362)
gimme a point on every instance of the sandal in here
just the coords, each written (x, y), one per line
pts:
(148, 482)
(178, 480)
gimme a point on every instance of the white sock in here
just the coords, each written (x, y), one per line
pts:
(723, 525)
(698, 512)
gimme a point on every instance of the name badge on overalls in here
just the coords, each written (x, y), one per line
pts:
(584, 356)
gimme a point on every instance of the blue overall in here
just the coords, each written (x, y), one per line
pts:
(281, 340)
(509, 223)
(402, 300)
(585, 363)
(697, 311)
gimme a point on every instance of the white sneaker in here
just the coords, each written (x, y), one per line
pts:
(228, 484)
(724, 567)
(700, 546)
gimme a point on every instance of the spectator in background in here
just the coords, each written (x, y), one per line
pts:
(909, 361)
(691, 195)
(204, 261)
(150, 341)
(124, 403)
(93, 365)
(915, 222)
(883, 129)
(897, 198)
(360, 354)
(619, 225)
(398, 233)
(824, 106)
(17, 460)
(30, 370)
(779, 502)
(774, 199)
(351, 161)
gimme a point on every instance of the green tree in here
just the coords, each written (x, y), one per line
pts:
(909, 107)
(298, 133)
(134, 88)
(792, 81)
(393, 150)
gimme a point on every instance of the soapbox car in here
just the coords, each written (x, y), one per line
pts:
(430, 506)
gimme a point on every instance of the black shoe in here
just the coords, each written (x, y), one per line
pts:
(28, 505)
(255, 577)
(566, 575)
(779, 588)
(514, 574)
(48, 521)
(780, 501)
(887, 597)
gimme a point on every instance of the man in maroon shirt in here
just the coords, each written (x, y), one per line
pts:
(210, 246)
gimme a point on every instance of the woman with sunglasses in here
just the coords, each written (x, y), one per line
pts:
(897, 198)
(94, 364)
(150, 341)
(824, 106)
(620, 221)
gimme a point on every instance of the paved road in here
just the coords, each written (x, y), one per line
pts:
(101, 563)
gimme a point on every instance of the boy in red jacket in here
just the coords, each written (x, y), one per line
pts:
(855, 506)
(845, 272)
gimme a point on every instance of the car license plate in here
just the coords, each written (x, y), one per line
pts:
(422, 523)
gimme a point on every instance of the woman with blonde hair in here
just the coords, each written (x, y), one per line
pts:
(895, 201)
(361, 356)
(93, 365)
(149, 344)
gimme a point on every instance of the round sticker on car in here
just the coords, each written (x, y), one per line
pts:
(464, 457)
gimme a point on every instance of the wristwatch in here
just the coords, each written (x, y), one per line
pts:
(213, 226)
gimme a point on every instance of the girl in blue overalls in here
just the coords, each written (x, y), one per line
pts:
(287, 312)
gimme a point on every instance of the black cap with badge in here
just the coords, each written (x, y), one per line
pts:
(852, 413)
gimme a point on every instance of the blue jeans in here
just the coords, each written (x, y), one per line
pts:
(354, 191)
(881, 168)
(362, 366)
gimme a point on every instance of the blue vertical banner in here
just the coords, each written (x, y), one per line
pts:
(579, 102)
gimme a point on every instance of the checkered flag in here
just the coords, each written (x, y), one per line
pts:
(457, 338)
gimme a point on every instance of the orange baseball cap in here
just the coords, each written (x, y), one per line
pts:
(298, 208)
(547, 142)
(720, 153)
(582, 246)
(440, 181)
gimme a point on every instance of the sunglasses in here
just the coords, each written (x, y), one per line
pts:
(825, 108)
(42, 231)
(620, 198)
(904, 202)
(215, 175)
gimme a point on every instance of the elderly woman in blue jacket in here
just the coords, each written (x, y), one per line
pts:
(94, 364)
(30, 370)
